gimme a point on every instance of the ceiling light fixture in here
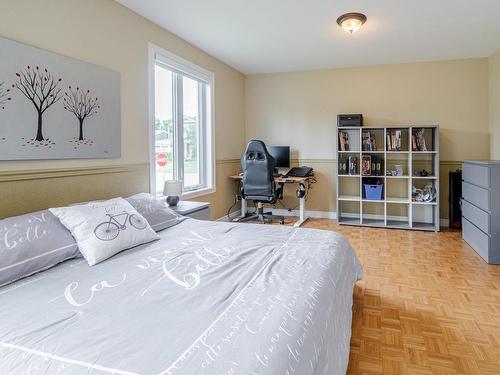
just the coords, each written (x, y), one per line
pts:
(351, 22)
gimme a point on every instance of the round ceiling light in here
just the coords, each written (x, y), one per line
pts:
(351, 22)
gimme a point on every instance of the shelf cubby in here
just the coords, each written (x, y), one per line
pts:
(372, 140)
(424, 217)
(430, 139)
(372, 164)
(397, 139)
(424, 162)
(398, 214)
(353, 139)
(389, 146)
(349, 188)
(373, 213)
(349, 212)
(397, 190)
(378, 182)
(393, 160)
(348, 163)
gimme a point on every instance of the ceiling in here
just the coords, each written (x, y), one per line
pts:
(264, 36)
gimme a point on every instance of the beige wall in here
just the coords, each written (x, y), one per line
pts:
(494, 65)
(107, 34)
(300, 109)
(32, 190)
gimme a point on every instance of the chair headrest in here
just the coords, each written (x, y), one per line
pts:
(256, 150)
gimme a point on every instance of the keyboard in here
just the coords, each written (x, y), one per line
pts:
(299, 172)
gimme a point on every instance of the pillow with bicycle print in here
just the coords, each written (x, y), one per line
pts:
(103, 229)
(157, 213)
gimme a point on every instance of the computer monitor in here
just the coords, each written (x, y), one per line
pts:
(281, 154)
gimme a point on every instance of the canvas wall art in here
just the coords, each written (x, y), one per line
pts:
(56, 107)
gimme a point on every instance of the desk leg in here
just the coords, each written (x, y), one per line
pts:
(302, 213)
(243, 207)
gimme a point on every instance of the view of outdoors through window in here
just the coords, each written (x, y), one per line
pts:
(165, 130)
(191, 136)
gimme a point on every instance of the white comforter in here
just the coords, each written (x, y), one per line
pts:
(209, 298)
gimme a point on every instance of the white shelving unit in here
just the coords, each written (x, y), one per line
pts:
(396, 209)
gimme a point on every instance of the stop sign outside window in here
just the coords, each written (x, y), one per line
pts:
(161, 159)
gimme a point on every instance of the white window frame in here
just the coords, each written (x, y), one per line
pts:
(206, 112)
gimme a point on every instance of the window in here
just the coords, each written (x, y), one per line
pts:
(181, 117)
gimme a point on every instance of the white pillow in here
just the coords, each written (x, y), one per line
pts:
(103, 229)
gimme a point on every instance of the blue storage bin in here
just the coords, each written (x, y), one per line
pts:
(373, 192)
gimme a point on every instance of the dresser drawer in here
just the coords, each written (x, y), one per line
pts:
(476, 195)
(478, 240)
(476, 174)
(478, 217)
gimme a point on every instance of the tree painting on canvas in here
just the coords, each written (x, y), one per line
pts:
(82, 104)
(4, 95)
(4, 99)
(45, 112)
(42, 90)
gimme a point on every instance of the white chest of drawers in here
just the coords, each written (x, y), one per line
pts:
(481, 208)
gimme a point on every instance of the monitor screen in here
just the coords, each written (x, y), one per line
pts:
(281, 154)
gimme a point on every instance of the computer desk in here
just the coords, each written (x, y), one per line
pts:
(281, 180)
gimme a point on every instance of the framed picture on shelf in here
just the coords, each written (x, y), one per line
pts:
(366, 165)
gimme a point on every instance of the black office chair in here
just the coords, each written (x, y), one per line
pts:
(258, 181)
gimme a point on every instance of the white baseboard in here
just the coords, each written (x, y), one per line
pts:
(444, 222)
(323, 215)
(315, 214)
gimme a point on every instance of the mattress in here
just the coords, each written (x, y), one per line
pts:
(208, 298)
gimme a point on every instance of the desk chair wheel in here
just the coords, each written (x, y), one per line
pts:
(262, 216)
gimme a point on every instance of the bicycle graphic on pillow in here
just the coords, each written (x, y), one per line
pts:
(109, 230)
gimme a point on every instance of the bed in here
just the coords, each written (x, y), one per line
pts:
(207, 298)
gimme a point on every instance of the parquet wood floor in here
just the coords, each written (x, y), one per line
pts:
(428, 305)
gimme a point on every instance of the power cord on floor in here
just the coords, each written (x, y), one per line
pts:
(311, 180)
(236, 200)
(230, 208)
(286, 207)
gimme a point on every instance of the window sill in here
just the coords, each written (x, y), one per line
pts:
(197, 193)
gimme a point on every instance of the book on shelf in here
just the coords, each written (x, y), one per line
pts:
(420, 140)
(393, 140)
(344, 141)
(368, 141)
(371, 165)
(353, 165)
(343, 166)
(366, 165)
(348, 165)
(376, 166)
